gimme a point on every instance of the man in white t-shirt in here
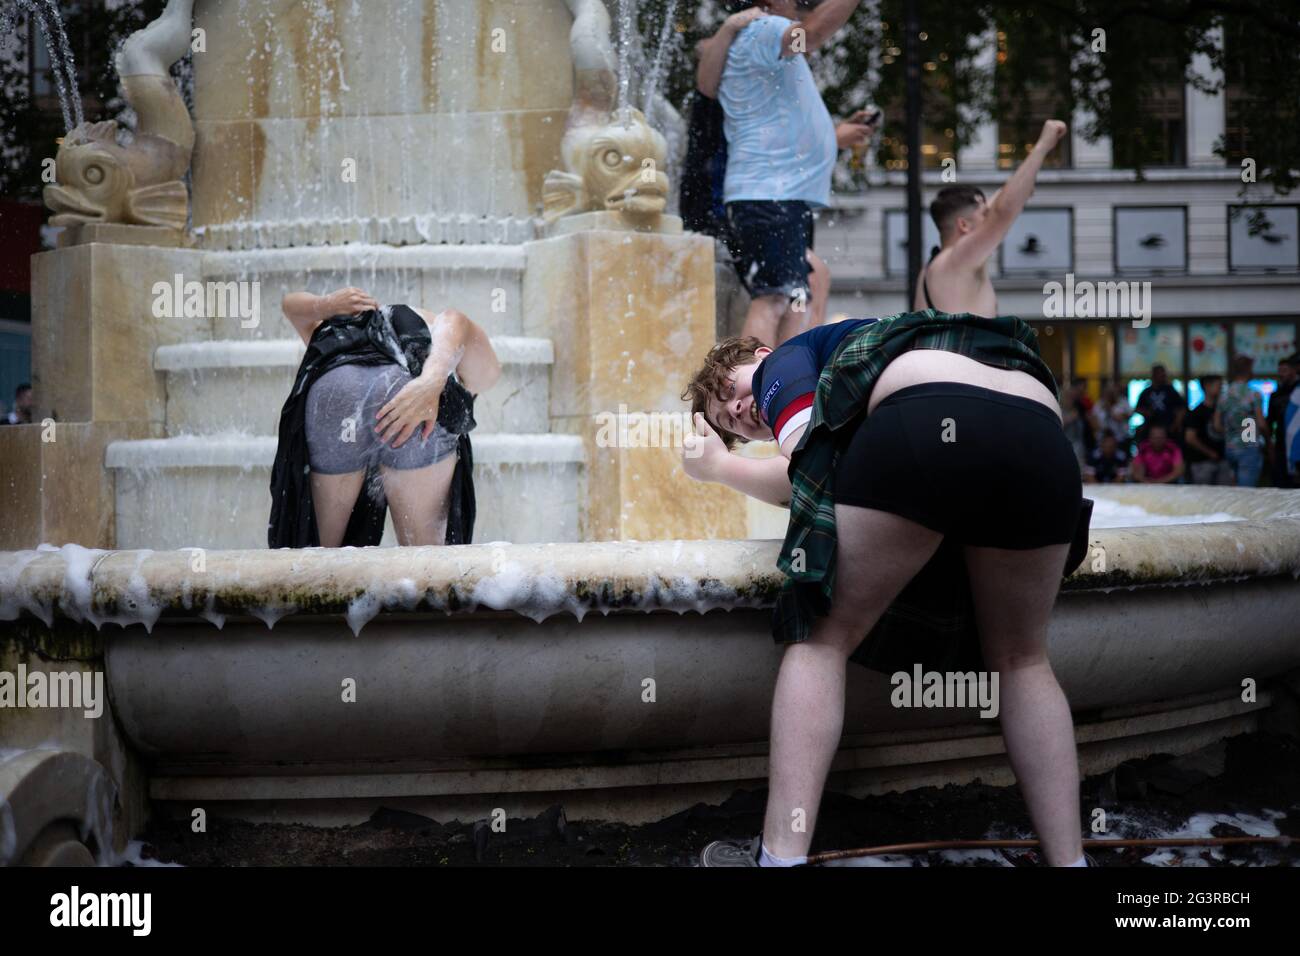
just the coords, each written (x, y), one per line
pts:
(781, 149)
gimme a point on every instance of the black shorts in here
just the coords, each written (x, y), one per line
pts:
(769, 242)
(983, 468)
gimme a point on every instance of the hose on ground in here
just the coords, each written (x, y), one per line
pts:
(929, 845)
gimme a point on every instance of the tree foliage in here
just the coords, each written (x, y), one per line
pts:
(27, 131)
(1047, 53)
(1044, 51)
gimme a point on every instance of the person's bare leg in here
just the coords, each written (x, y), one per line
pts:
(809, 311)
(794, 321)
(418, 499)
(765, 312)
(878, 553)
(1014, 592)
(332, 498)
(819, 284)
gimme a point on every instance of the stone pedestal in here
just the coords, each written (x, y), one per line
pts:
(94, 330)
(123, 234)
(631, 316)
(57, 490)
(94, 333)
(614, 222)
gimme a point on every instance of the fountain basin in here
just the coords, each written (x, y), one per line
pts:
(516, 675)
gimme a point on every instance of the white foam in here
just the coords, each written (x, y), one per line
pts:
(134, 856)
(1113, 514)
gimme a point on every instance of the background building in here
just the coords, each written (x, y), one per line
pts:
(1221, 254)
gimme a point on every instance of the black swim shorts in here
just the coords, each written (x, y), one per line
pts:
(769, 242)
(982, 467)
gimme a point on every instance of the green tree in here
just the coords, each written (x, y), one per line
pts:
(1045, 51)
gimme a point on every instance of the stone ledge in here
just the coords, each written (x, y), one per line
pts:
(538, 580)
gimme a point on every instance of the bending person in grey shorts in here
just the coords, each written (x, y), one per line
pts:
(361, 415)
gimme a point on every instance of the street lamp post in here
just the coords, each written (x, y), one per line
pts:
(912, 80)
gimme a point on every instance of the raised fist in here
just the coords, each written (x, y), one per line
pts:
(1053, 132)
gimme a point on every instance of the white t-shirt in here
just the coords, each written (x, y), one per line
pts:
(780, 137)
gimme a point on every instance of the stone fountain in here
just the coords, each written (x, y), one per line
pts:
(614, 655)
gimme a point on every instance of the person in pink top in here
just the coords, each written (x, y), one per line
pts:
(1158, 459)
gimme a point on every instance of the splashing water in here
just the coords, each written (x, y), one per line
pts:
(625, 10)
(659, 63)
(62, 65)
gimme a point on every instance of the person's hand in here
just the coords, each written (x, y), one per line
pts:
(861, 118)
(853, 132)
(703, 451)
(349, 301)
(738, 21)
(414, 405)
(1053, 132)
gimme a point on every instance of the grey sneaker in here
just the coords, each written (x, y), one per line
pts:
(732, 852)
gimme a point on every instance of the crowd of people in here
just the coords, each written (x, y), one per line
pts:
(1226, 439)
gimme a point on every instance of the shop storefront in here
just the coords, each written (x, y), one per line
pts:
(1102, 351)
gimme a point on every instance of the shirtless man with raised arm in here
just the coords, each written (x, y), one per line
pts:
(956, 279)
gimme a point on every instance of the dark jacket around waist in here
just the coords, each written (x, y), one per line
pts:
(397, 336)
(932, 621)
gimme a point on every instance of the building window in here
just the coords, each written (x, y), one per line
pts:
(1156, 133)
(896, 240)
(1265, 342)
(1039, 242)
(1263, 238)
(1160, 343)
(1150, 239)
(937, 144)
(1032, 85)
(1207, 348)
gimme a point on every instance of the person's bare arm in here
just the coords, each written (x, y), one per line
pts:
(1173, 476)
(792, 441)
(973, 249)
(1261, 421)
(457, 345)
(766, 479)
(461, 346)
(819, 26)
(1138, 471)
(854, 131)
(713, 51)
(306, 311)
(705, 458)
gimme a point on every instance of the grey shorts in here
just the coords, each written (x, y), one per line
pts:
(341, 409)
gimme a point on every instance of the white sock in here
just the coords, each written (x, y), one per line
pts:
(767, 859)
(1081, 861)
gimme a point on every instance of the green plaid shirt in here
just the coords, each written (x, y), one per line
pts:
(931, 621)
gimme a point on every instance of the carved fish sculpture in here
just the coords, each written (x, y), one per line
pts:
(615, 167)
(101, 181)
(138, 183)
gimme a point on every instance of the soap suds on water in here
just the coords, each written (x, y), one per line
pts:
(1113, 514)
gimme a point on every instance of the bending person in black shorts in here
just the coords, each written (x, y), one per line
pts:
(960, 446)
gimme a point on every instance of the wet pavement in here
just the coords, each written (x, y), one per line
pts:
(1247, 785)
